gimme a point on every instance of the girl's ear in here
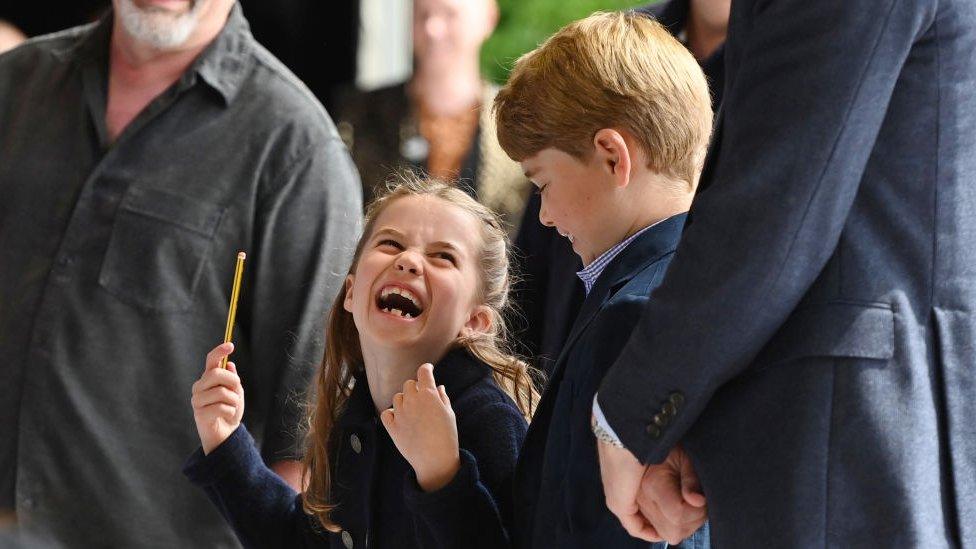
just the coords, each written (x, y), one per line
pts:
(479, 321)
(347, 302)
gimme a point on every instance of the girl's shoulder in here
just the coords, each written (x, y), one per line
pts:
(472, 388)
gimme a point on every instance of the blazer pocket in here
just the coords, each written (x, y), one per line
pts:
(157, 249)
(833, 329)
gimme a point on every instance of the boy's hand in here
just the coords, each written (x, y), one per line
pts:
(218, 399)
(421, 424)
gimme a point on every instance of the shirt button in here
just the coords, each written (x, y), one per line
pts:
(357, 446)
(347, 537)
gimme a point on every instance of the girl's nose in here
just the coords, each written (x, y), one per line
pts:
(408, 262)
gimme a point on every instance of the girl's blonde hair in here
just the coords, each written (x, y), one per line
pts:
(343, 355)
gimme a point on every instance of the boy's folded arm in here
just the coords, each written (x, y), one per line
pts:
(475, 509)
(263, 510)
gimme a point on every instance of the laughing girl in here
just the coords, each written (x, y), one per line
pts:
(428, 285)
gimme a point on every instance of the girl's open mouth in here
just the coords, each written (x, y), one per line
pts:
(399, 301)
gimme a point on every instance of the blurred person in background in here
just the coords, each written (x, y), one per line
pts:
(550, 294)
(439, 122)
(10, 36)
(139, 155)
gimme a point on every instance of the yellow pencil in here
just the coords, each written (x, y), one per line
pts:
(235, 292)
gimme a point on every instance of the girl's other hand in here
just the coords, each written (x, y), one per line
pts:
(422, 425)
(218, 399)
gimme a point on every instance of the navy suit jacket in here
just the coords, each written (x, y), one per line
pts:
(813, 339)
(559, 499)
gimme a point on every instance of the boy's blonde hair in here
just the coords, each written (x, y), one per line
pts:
(610, 70)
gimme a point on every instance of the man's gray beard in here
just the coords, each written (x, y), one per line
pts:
(159, 29)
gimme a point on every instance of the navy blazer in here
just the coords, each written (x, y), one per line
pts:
(559, 496)
(380, 504)
(813, 340)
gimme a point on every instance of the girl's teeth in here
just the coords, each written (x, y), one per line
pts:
(397, 312)
(407, 315)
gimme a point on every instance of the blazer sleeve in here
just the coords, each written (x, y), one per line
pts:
(262, 509)
(474, 510)
(802, 110)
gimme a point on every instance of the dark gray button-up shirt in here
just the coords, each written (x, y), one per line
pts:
(116, 262)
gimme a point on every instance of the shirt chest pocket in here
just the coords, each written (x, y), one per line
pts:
(158, 248)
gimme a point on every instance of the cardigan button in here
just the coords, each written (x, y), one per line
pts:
(357, 446)
(347, 537)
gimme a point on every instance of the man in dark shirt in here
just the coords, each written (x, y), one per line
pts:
(137, 156)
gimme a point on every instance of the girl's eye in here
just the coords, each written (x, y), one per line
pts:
(389, 242)
(448, 256)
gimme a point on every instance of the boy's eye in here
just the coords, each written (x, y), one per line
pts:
(389, 242)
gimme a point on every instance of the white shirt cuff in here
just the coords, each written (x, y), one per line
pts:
(601, 420)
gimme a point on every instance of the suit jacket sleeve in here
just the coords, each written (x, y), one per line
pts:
(806, 95)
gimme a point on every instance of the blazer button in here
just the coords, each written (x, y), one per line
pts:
(661, 420)
(677, 399)
(357, 446)
(653, 431)
(669, 409)
(347, 537)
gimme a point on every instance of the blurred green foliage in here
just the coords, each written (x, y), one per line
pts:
(524, 24)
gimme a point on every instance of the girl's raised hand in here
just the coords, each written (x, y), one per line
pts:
(422, 425)
(218, 399)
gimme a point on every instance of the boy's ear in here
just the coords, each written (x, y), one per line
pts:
(614, 155)
(347, 302)
(479, 321)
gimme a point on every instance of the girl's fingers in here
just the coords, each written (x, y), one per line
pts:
(214, 396)
(217, 377)
(217, 353)
(387, 417)
(397, 402)
(222, 411)
(443, 393)
(425, 377)
(409, 386)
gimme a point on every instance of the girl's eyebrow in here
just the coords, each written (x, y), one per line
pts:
(390, 231)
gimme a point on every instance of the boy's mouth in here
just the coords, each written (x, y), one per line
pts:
(399, 301)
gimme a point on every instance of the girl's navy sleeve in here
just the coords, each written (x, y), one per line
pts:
(262, 509)
(475, 509)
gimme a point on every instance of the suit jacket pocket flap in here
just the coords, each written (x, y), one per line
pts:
(838, 329)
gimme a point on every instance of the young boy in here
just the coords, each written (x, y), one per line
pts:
(610, 119)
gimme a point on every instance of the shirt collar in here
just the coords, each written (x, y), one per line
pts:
(591, 272)
(223, 64)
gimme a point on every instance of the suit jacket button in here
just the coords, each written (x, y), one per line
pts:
(357, 445)
(669, 409)
(661, 420)
(347, 537)
(653, 431)
(677, 399)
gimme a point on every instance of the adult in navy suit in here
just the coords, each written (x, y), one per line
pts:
(811, 346)
(548, 297)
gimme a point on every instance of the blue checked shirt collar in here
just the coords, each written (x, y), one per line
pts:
(591, 272)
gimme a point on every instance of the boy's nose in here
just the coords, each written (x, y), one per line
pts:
(408, 262)
(544, 216)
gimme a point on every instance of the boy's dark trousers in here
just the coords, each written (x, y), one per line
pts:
(559, 500)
